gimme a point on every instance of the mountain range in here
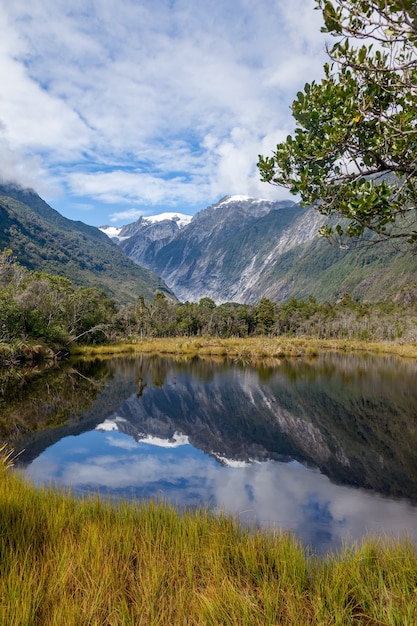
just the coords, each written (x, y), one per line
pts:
(238, 250)
(42, 239)
(242, 249)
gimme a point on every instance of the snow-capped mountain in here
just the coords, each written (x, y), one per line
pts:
(221, 252)
(120, 233)
(242, 249)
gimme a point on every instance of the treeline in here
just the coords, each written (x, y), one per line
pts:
(344, 319)
(42, 314)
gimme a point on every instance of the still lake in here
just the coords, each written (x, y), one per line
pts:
(326, 448)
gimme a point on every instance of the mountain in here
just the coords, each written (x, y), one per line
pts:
(157, 226)
(43, 240)
(242, 249)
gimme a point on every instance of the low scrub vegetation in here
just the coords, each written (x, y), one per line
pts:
(42, 316)
(89, 561)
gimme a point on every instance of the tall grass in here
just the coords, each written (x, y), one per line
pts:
(250, 348)
(93, 563)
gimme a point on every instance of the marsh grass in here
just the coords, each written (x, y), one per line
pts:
(246, 349)
(90, 562)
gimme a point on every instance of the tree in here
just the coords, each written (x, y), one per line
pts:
(353, 154)
(162, 316)
(265, 316)
(142, 316)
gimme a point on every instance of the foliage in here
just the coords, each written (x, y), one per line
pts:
(353, 152)
(165, 318)
(37, 307)
(34, 398)
(40, 313)
(45, 241)
(265, 316)
(68, 561)
(345, 318)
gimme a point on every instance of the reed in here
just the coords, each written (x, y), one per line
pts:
(68, 561)
(249, 348)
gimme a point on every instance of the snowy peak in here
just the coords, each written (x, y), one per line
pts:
(241, 199)
(222, 252)
(180, 218)
(120, 233)
(236, 198)
(112, 231)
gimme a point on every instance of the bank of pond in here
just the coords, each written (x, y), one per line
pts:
(216, 489)
(67, 560)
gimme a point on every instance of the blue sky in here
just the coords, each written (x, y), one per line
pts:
(112, 109)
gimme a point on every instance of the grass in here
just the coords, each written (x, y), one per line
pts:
(66, 561)
(252, 348)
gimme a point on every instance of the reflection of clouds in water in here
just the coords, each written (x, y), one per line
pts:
(132, 471)
(177, 440)
(294, 497)
(125, 444)
(110, 424)
(288, 496)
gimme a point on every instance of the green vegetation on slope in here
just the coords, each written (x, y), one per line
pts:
(370, 272)
(69, 561)
(45, 241)
(41, 314)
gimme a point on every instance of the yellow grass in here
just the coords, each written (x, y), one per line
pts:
(93, 563)
(251, 348)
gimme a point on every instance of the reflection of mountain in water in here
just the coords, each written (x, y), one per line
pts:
(354, 419)
(231, 416)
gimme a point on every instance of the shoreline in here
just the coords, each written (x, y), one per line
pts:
(256, 348)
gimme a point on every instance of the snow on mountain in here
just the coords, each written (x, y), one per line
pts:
(181, 219)
(236, 198)
(239, 198)
(112, 231)
(223, 251)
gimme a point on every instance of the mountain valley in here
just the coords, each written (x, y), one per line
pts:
(242, 249)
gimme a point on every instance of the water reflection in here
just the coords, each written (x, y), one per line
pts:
(292, 446)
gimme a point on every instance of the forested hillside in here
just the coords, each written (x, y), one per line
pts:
(43, 240)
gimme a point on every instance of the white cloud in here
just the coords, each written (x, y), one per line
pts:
(150, 102)
(125, 187)
(283, 495)
(130, 215)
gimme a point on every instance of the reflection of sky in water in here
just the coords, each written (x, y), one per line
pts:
(285, 495)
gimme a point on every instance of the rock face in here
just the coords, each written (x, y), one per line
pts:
(223, 251)
(242, 249)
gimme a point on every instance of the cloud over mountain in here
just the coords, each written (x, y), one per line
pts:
(149, 105)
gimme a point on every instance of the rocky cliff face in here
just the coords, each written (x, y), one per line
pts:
(143, 240)
(224, 250)
(242, 249)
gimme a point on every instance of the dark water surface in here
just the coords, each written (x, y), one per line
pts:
(326, 448)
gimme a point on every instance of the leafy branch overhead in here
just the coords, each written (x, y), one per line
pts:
(353, 154)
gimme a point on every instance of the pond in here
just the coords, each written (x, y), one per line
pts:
(325, 448)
